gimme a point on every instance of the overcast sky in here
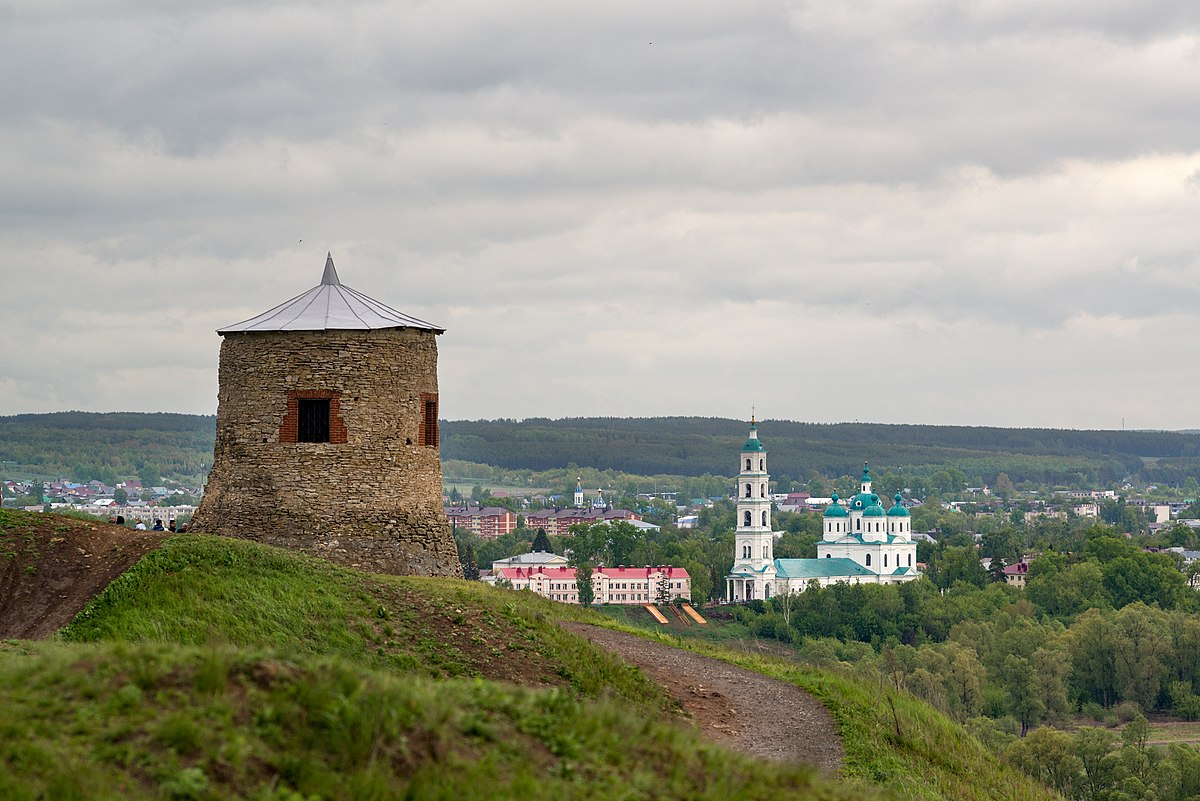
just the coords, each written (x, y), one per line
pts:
(921, 211)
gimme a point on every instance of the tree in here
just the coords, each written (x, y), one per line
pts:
(1142, 648)
(620, 539)
(583, 583)
(37, 490)
(541, 542)
(586, 543)
(1094, 748)
(1020, 682)
(1093, 646)
(662, 590)
(958, 564)
(466, 557)
(120, 496)
(1047, 756)
(1004, 487)
(996, 571)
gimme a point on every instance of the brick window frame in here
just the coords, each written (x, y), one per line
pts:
(289, 431)
(428, 435)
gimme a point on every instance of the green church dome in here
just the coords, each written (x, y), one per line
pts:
(864, 500)
(752, 442)
(897, 509)
(873, 511)
(835, 509)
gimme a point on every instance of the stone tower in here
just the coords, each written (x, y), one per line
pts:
(327, 434)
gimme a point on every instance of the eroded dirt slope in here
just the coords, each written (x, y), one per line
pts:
(51, 566)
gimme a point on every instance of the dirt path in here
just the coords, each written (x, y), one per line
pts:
(51, 566)
(740, 709)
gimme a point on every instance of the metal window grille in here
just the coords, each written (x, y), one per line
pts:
(313, 420)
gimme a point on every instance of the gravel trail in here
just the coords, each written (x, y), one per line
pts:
(737, 708)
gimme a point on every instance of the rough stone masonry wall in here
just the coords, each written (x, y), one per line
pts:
(374, 501)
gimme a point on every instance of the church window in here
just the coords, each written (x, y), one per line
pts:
(885, 560)
(762, 491)
(762, 464)
(748, 491)
(764, 552)
(828, 556)
(312, 420)
(764, 518)
(868, 560)
(858, 524)
(910, 560)
(747, 464)
(747, 519)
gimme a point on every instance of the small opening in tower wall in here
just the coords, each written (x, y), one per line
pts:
(429, 421)
(312, 420)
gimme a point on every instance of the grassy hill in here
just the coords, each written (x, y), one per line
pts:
(221, 669)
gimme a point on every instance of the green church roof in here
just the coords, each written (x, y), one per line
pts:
(864, 500)
(819, 568)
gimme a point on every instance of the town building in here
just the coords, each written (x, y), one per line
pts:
(1014, 575)
(327, 434)
(610, 585)
(487, 522)
(557, 522)
(861, 542)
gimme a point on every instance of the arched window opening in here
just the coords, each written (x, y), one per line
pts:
(828, 556)
(762, 491)
(766, 554)
(748, 491)
(868, 560)
(747, 519)
(858, 524)
(910, 560)
(762, 464)
(747, 464)
(885, 560)
(764, 518)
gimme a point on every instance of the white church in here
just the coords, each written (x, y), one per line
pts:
(861, 543)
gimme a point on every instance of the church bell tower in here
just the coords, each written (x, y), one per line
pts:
(753, 574)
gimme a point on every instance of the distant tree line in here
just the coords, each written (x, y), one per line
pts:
(694, 446)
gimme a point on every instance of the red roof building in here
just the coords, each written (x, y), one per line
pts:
(610, 585)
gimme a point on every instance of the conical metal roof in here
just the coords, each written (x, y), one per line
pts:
(330, 306)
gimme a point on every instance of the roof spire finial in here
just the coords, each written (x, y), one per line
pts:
(752, 410)
(330, 277)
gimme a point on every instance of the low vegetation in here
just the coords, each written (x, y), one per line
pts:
(221, 669)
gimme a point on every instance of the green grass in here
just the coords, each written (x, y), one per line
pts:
(200, 590)
(217, 668)
(717, 631)
(170, 722)
(892, 739)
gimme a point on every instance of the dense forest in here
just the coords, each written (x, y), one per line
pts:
(110, 446)
(692, 446)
